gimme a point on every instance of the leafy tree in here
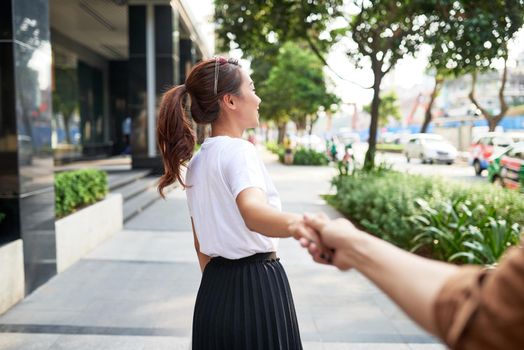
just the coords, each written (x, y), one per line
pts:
(258, 26)
(384, 32)
(295, 88)
(388, 108)
(65, 96)
(440, 77)
(470, 35)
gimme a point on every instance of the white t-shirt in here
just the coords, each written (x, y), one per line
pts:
(218, 172)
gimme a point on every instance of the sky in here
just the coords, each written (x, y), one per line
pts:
(408, 73)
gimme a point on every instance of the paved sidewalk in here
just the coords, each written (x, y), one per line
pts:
(137, 290)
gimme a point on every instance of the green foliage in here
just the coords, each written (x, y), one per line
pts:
(388, 108)
(302, 156)
(384, 31)
(306, 156)
(295, 87)
(273, 147)
(257, 27)
(449, 221)
(390, 147)
(277, 149)
(457, 230)
(2, 216)
(78, 188)
(468, 35)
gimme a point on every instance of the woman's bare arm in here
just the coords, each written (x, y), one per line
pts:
(260, 217)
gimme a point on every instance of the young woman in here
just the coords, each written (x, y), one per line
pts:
(244, 300)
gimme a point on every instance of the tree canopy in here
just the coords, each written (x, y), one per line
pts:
(254, 26)
(295, 87)
(466, 35)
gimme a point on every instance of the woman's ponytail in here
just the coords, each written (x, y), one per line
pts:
(206, 84)
(176, 139)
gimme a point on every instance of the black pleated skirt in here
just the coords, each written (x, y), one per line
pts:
(245, 304)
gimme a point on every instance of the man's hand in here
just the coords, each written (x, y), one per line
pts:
(300, 231)
(335, 237)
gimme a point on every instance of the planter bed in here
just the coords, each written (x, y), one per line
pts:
(79, 233)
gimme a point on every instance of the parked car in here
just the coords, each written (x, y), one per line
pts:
(516, 136)
(507, 168)
(484, 146)
(347, 137)
(312, 142)
(430, 148)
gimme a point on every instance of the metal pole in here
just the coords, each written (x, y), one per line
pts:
(151, 82)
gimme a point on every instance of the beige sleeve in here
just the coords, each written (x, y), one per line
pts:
(484, 309)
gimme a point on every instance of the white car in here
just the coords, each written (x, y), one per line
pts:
(312, 142)
(430, 148)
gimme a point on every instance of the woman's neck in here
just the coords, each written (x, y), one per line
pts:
(225, 130)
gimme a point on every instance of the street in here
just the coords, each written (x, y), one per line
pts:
(460, 170)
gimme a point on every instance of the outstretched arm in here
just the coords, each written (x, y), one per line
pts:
(260, 217)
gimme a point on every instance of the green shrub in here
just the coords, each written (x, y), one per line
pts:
(390, 147)
(463, 232)
(449, 221)
(2, 216)
(273, 147)
(306, 156)
(78, 188)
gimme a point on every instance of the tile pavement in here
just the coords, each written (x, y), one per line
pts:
(137, 290)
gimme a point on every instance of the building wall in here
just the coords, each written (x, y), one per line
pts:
(26, 174)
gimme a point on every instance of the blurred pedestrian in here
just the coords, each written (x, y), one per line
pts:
(348, 160)
(244, 300)
(468, 307)
(126, 132)
(333, 150)
(288, 150)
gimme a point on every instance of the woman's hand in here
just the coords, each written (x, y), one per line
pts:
(335, 240)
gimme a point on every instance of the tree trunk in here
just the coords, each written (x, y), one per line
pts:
(301, 124)
(492, 124)
(281, 133)
(312, 122)
(493, 120)
(369, 162)
(428, 115)
(66, 127)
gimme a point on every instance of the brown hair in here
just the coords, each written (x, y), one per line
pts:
(175, 136)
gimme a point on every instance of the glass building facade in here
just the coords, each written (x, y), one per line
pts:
(79, 79)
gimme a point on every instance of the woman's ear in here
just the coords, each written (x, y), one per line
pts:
(228, 101)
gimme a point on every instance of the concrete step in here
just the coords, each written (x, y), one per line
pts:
(117, 179)
(139, 202)
(136, 187)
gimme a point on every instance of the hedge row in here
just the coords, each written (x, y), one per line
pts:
(301, 156)
(390, 147)
(450, 221)
(78, 188)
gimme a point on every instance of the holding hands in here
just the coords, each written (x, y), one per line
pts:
(328, 241)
